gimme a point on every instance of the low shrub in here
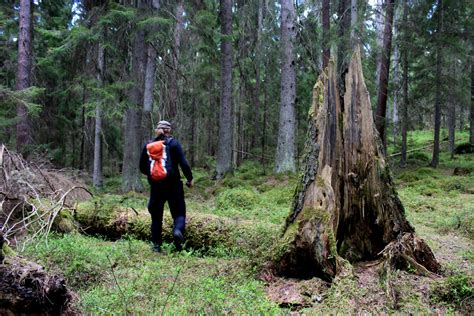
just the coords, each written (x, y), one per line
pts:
(240, 198)
(453, 290)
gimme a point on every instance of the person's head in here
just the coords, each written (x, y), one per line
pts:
(163, 128)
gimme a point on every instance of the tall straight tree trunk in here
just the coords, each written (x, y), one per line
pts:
(471, 114)
(451, 122)
(224, 150)
(23, 75)
(148, 92)
(326, 11)
(437, 114)
(133, 116)
(396, 79)
(354, 23)
(285, 152)
(396, 99)
(97, 172)
(382, 93)
(173, 87)
(379, 27)
(404, 109)
(343, 50)
(82, 162)
(258, 60)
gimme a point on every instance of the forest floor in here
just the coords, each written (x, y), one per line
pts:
(125, 276)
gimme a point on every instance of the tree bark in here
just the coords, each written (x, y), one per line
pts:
(379, 27)
(471, 114)
(97, 172)
(404, 109)
(343, 49)
(396, 94)
(131, 177)
(437, 114)
(23, 76)
(285, 152)
(345, 204)
(175, 54)
(258, 61)
(148, 92)
(354, 23)
(382, 94)
(451, 116)
(224, 151)
(326, 11)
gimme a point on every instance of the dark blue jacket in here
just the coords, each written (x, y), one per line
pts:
(177, 158)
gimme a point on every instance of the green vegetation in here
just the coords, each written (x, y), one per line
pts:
(454, 290)
(125, 276)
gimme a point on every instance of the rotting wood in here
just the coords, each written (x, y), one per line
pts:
(345, 206)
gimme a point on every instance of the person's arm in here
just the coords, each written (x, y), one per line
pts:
(183, 162)
(144, 163)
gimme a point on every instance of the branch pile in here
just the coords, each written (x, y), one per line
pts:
(32, 195)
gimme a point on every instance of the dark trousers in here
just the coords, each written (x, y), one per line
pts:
(159, 194)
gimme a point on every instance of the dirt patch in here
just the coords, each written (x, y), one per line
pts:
(294, 293)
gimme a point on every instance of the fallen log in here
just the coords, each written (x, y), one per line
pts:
(203, 231)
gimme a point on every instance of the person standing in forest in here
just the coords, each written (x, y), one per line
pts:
(159, 162)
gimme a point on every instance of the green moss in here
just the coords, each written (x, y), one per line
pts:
(283, 244)
(6, 251)
(241, 198)
(64, 222)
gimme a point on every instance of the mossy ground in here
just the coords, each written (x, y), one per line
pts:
(125, 276)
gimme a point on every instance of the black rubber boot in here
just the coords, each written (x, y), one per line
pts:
(156, 248)
(178, 239)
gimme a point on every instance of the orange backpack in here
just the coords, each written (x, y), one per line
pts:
(160, 159)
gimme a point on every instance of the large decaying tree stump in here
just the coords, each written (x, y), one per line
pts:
(346, 206)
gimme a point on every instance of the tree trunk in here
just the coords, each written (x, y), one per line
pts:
(404, 114)
(343, 50)
(396, 94)
(437, 114)
(97, 172)
(346, 204)
(326, 12)
(23, 128)
(285, 152)
(451, 127)
(382, 94)
(224, 151)
(175, 52)
(258, 61)
(82, 162)
(194, 117)
(379, 28)
(148, 93)
(133, 116)
(471, 114)
(354, 24)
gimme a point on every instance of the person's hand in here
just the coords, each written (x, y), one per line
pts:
(189, 184)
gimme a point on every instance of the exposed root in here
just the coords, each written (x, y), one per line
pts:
(26, 287)
(409, 253)
(412, 254)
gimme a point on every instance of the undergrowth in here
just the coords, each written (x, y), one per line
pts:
(126, 277)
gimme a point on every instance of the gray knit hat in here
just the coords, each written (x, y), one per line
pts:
(163, 124)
